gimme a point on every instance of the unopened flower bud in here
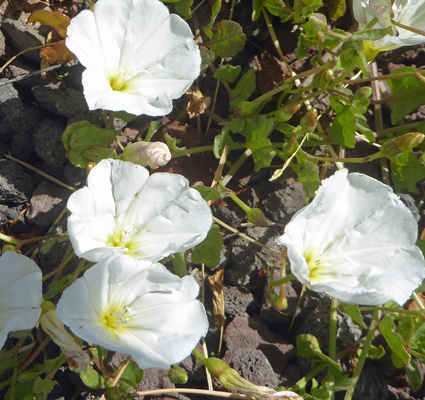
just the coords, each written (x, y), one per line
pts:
(231, 380)
(364, 91)
(271, 296)
(177, 375)
(147, 154)
(323, 78)
(257, 217)
(281, 304)
(285, 113)
(318, 21)
(395, 147)
(309, 121)
(78, 359)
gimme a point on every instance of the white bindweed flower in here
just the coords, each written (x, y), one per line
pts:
(20, 294)
(355, 242)
(407, 12)
(137, 56)
(147, 154)
(135, 307)
(124, 210)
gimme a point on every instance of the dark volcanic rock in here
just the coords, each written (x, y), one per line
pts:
(246, 332)
(253, 365)
(16, 185)
(47, 141)
(239, 300)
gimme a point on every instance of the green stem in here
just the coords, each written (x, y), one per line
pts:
(303, 381)
(287, 278)
(360, 160)
(232, 171)
(9, 239)
(378, 78)
(408, 28)
(333, 328)
(199, 356)
(365, 349)
(273, 34)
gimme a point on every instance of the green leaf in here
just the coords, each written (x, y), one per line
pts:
(131, 376)
(179, 265)
(417, 341)
(208, 193)
(308, 175)
(352, 310)
(406, 171)
(278, 8)
(21, 391)
(343, 128)
(352, 57)
(383, 11)
(43, 386)
(183, 8)
(371, 34)
(308, 347)
(153, 128)
(336, 8)
(221, 140)
(414, 375)
(405, 327)
(172, 145)
(215, 9)
(228, 73)
(227, 39)
(375, 353)
(92, 379)
(408, 94)
(256, 132)
(85, 142)
(208, 251)
(244, 88)
(394, 340)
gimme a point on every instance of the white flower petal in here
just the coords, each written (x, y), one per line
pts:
(160, 319)
(355, 242)
(138, 56)
(408, 12)
(20, 294)
(124, 211)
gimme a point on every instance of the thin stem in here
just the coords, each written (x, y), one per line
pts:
(408, 28)
(9, 239)
(121, 371)
(333, 328)
(365, 349)
(418, 301)
(202, 392)
(30, 359)
(235, 167)
(272, 34)
(224, 225)
(47, 176)
(378, 78)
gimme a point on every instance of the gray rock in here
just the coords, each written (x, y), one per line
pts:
(9, 214)
(247, 259)
(246, 332)
(239, 300)
(252, 365)
(282, 203)
(47, 203)
(315, 319)
(16, 185)
(371, 385)
(47, 141)
(23, 36)
(60, 99)
(11, 111)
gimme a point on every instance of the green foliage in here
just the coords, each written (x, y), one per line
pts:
(343, 128)
(407, 93)
(274, 7)
(228, 73)
(153, 128)
(226, 38)
(395, 341)
(308, 347)
(130, 378)
(352, 310)
(208, 251)
(172, 145)
(406, 172)
(336, 8)
(244, 88)
(92, 379)
(85, 143)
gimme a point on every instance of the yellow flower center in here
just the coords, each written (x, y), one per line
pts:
(114, 318)
(119, 81)
(316, 266)
(123, 237)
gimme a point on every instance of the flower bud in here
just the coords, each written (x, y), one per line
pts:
(257, 217)
(323, 78)
(177, 375)
(318, 21)
(309, 121)
(147, 154)
(231, 380)
(395, 147)
(78, 359)
(285, 113)
(364, 91)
